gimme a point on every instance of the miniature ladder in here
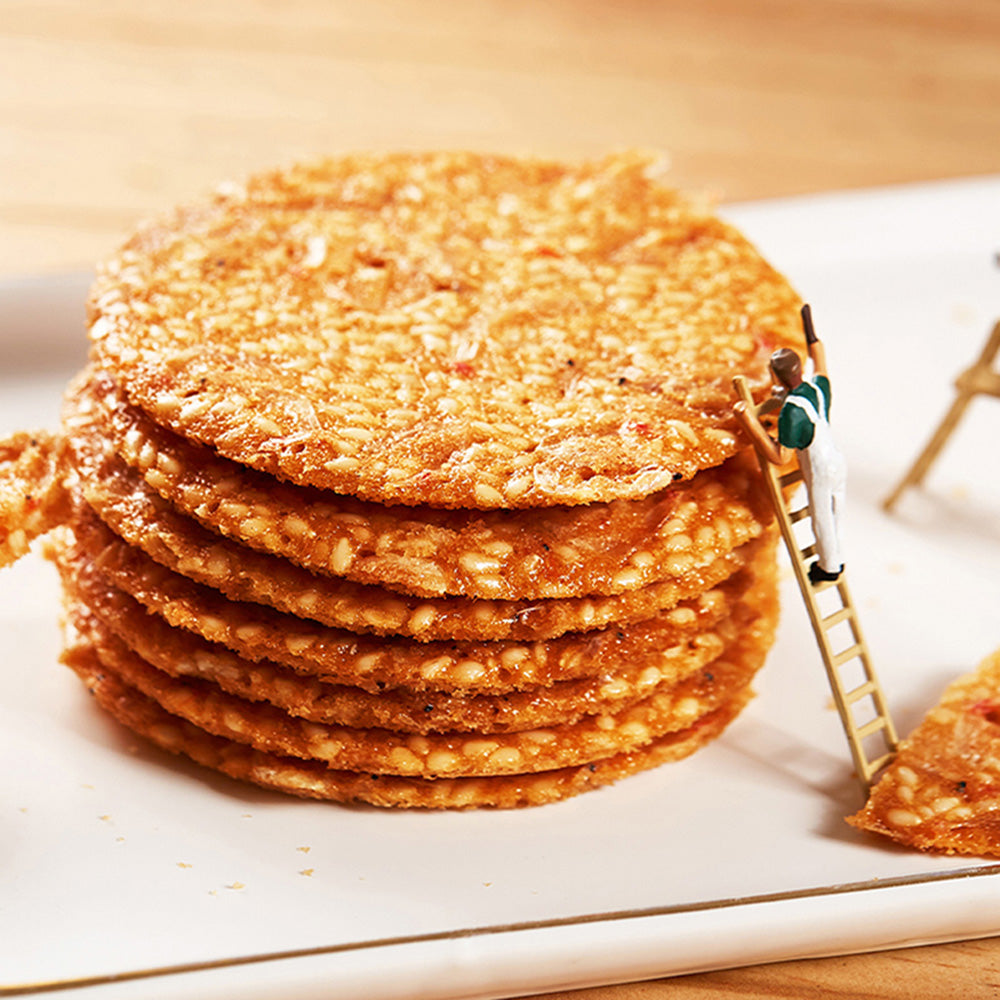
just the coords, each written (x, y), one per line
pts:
(857, 650)
(979, 379)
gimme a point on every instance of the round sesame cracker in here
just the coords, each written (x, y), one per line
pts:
(313, 779)
(182, 654)
(99, 559)
(448, 329)
(401, 710)
(143, 519)
(551, 552)
(437, 755)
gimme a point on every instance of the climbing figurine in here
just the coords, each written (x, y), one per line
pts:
(803, 426)
(804, 406)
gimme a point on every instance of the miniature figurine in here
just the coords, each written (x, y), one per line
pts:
(803, 426)
(804, 405)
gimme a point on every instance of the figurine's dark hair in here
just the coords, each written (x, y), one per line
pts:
(787, 366)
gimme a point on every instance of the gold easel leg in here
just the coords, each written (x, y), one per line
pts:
(926, 458)
(967, 386)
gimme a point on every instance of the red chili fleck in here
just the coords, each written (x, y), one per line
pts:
(464, 368)
(543, 250)
(638, 427)
(988, 708)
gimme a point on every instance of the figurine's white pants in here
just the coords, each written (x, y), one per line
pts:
(825, 474)
(826, 482)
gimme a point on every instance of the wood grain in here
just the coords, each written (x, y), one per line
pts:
(114, 109)
(968, 970)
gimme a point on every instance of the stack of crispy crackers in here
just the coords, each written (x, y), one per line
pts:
(412, 479)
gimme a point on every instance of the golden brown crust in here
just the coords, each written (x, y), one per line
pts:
(552, 552)
(33, 499)
(144, 520)
(312, 779)
(437, 754)
(450, 329)
(398, 709)
(99, 559)
(942, 791)
(614, 682)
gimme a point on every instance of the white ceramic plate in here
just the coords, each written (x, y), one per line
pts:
(127, 873)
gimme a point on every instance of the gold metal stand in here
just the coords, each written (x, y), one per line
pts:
(979, 379)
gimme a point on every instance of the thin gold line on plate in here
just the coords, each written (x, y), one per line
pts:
(131, 975)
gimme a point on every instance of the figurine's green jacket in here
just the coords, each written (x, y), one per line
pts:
(795, 429)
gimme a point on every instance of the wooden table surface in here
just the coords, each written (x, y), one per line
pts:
(113, 109)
